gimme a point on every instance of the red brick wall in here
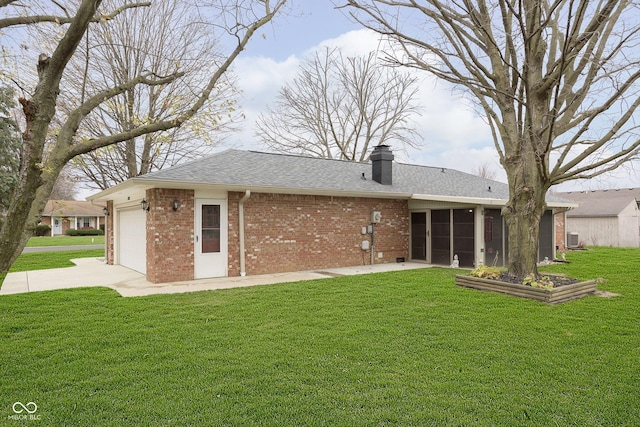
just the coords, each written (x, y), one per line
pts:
(46, 220)
(298, 232)
(559, 215)
(170, 235)
(66, 224)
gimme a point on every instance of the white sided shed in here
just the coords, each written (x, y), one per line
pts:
(605, 217)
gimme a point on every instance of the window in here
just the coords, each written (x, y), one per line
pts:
(210, 228)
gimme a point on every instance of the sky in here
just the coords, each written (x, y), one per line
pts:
(452, 134)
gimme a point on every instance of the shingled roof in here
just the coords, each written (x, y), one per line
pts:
(601, 202)
(72, 208)
(238, 169)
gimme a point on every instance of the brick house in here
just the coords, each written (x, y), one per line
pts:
(63, 215)
(244, 212)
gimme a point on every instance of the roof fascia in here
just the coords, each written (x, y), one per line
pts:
(482, 201)
(103, 195)
(140, 183)
(458, 199)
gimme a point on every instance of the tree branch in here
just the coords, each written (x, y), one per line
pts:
(92, 144)
(38, 19)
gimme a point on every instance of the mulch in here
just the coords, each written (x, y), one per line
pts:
(556, 279)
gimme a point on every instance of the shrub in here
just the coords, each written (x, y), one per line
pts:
(102, 228)
(85, 232)
(42, 230)
(486, 272)
(543, 283)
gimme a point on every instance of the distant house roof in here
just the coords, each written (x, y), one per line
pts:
(269, 172)
(601, 202)
(72, 208)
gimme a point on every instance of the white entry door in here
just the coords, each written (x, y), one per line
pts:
(57, 226)
(210, 238)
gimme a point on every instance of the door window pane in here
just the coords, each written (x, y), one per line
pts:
(210, 228)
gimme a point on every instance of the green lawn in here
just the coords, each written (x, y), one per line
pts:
(403, 348)
(55, 259)
(65, 241)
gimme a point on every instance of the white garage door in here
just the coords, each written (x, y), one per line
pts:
(133, 239)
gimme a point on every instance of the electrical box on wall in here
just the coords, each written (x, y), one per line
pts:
(375, 217)
(365, 245)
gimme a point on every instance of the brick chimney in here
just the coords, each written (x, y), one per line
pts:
(381, 162)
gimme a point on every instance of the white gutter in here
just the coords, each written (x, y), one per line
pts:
(483, 201)
(244, 198)
(460, 199)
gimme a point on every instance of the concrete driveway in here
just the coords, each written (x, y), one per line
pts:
(90, 272)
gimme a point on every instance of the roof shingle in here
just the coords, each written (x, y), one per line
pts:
(238, 170)
(281, 171)
(72, 208)
(601, 202)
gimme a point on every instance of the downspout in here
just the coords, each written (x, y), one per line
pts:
(244, 198)
(106, 235)
(371, 252)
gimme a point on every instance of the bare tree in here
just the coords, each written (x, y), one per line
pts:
(340, 107)
(38, 170)
(484, 170)
(556, 79)
(146, 39)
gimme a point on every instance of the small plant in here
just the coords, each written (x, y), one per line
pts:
(486, 272)
(543, 283)
(42, 230)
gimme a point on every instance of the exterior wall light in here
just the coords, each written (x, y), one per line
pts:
(176, 204)
(105, 211)
(145, 205)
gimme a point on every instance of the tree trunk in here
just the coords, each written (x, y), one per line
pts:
(30, 196)
(28, 199)
(523, 211)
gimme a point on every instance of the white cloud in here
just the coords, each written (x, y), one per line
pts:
(446, 122)
(352, 43)
(261, 77)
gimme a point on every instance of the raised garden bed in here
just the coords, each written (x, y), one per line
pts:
(551, 296)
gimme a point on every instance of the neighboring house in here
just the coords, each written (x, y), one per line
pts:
(63, 215)
(245, 212)
(604, 218)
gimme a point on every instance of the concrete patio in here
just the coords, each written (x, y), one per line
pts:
(91, 272)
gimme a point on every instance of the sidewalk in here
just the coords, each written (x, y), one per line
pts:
(90, 272)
